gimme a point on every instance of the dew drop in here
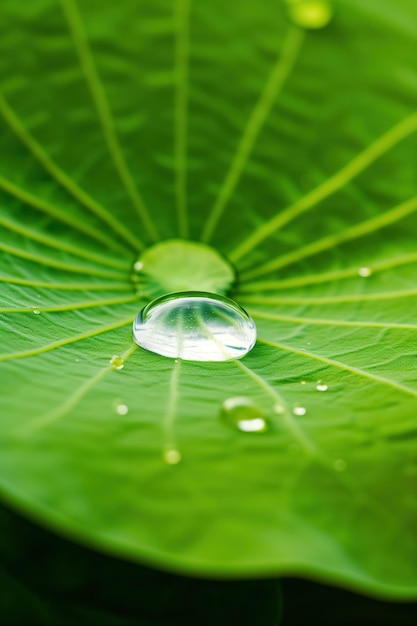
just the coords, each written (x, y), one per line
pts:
(339, 465)
(311, 14)
(302, 382)
(138, 266)
(172, 456)
(122, 409)
(321, 386)
(117, 362)
(279, 409)
(36, 311)
(242, 413)
(364, 272)
(195, 326)
(299, 410)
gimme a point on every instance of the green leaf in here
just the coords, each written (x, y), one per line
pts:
(292, 153)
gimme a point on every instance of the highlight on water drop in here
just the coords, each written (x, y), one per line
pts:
(243, 414)
(364, 272)
(195, 326)
(122, 409)
(299, 410)
(321, 386)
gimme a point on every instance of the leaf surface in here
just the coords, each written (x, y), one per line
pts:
(293, 154)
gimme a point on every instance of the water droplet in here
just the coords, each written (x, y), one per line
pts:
(138, 266)
(321, 386)
(312, 14)
(195, 326)
(339, 465)
(117, 362)
(299, 410)
(242, 413)
(303, 382)
(364, 272)
(77, 360)
(172, 456)
(36, 311)
(122, 409)
(279, 408)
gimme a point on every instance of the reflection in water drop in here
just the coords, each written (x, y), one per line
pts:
(172, 456)
(312, 14)
(117, 362)
(321, 386)
(364, 272)
(299, 410)
(195, 326)
(242, 413)
(122, 409)
(339, 465)
(36, 311)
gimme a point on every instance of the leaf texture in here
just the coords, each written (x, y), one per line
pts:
(293, 153)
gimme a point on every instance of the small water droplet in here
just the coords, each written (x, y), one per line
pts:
(77, 360)
(138, 266)
(36, 311)
(122, 409)
(117, 362)
(339, 465)
(312, 14)
(172, 456)
(321, 386)
(303, 382)
(364, 272)
(299, 410)
(195, 326)
(279, 408)
(242, 413)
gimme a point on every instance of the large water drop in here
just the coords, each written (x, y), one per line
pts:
(195, 326)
